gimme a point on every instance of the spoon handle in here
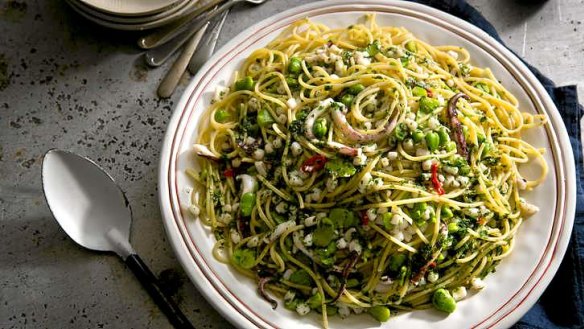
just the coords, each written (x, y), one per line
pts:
(150, 283)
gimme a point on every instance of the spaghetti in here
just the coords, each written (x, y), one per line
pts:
(362, 169)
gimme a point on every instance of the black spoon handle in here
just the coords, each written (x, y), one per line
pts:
(166, 304)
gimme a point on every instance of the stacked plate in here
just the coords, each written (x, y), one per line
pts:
(133, 15)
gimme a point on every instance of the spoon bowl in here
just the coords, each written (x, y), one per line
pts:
(92, 209)
(85, 200)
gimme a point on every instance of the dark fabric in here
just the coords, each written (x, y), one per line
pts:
(562, 304)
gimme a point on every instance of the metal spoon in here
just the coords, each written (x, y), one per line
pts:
(92, 209)
(158, 55)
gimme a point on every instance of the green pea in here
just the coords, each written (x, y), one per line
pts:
(315, 301)
(419, 91)
(352, 283)
(401, 131)
(291, 82)
(412, 46)
(443, 301)
(331, 310)
(355, 89)
(247, 203)
(396, 261)
(265, 118)
(320, 128)
(464, 170)
(244, 84)
(379, 313)
(221, 116)
(428, 105)
(301, 277)
(417, 136)
(386, 218)
(446, 212)
(347, 99)
(343, 218)
(291, 305)
(450, 146)
(453, 227)
(323, 235)
(295, 65)
(244, 257)
(432, 141)
(443, 135)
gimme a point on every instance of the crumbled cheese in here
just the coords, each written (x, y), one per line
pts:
(302, 309)
(277, 142)
(450, 170)
(253, 242)
(341, 243)
(343, 310)
(472, 212)
(258, 154)
(269, 148)
(292, 103)
(340, 67)
(477, 284)
(296, 149)
(459, 293)
(433, 277)
(261, 168)
(235, 237)
(331, 184)
(411, 124)
(281, 207)
(369, 148)
(360, 160)
(281, 228)
(372, 214)
(362, 58)
(392, 155)
(433, 123)
(195, 210)
(308, 240)
(290, 294)
(427, 164)
(220, 92)
(526, 208)
(310, 221)
(364, 183)
(384, 162)
(355, 246)
(463, 180)
(450, 83)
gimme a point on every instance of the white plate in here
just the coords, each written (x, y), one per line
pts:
(520, 279)
(135, 20)
(130, 7)
(183, 10)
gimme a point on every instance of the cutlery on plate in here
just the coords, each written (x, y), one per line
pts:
(157, 55)
(207, 44)
(92, 209)
(172, 77)
(162, 35)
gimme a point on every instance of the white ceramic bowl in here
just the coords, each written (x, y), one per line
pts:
(520, 279)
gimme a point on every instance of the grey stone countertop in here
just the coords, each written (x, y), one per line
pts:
(70, 84)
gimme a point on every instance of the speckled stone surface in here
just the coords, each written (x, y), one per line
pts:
(70, 84)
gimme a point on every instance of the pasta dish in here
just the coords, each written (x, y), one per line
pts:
(363, 170)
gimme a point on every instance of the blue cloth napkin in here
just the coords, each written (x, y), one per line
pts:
(562, 304)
